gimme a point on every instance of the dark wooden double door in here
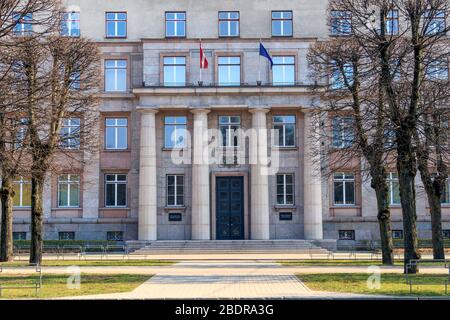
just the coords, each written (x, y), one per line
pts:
(229, 208)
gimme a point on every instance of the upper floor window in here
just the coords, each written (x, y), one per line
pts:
(70, 134)
(175, 190)
(174, 71)
(435, 21)
(229, 71)
(446, 194)
(284, 127)
(392, 22)
(175, 24)
(175, 132)
(70, 24)
(116, 135)
(285, 189)
(116, 24)
(229, 128)
(343, 134)
(24, 24)
(115, 75)
(437, 69)
(22, 193)
(281, 23)
(341, 22)
(69, 190)
(394, 189)
(283, 70)
(228, 24)
(341, 76)
(344, 188)
(116, 190)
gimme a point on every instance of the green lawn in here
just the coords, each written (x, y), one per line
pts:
(391, 284)
(56, 285)
(334, 263)
(93, 263)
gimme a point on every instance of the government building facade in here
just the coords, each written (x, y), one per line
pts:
(223, 152)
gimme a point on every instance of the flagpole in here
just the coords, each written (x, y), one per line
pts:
(259, 62)
(201, 61)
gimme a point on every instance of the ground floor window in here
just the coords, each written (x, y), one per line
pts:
(285, 189)
(66, 235)
(446, 194)
(446, 234)
(346, 234)
(116, 190)
(17, 236)
(175, 190)
(114, 235)
(344, 188)
(69, 191)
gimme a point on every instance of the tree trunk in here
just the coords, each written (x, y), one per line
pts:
(6, 241)
(434, 201)
(37, 213)
(384, 221)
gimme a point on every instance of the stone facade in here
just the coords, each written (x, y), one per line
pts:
(146, 102)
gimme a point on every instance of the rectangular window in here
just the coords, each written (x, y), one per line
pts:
(446, 194)
(115, 75)
(18, 236)
(392, 22)
(175, 132)
(394, 188)
(21, 133)
(115, 190)
(281, 23)
(70, 134)
(70, 24)
(66, 235)
(284, 127)
(229, 127)
(174, 71)
(116, 24)
(346, 234)
(283, 70)
(22, 193)
(285, 216)
(175, 216)
(285, 189)
(114, 235)
(344, 188)
(24, 24)
(435, 21)
(343, 133)
(397, 234)
(229, 71)
(228, 24)
(446, 234)
(116, 135)
(175, 24)
(69, 191)
(341, 76)
(436, 70)
(341, 22)
(175, 190)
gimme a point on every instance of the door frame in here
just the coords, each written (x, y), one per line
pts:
(214, 175)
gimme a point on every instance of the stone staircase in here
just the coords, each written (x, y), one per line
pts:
(225, 247)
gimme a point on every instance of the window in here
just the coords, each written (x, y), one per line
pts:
(114, 235)
(344, 188)
(229, 128)
(285, 189)
(284, 127)
(115, 190)
(175, 190)
(75, 81)
(341, 22)
(229, 71)
(70, 134)
(446, 234)
(346, 234)
(24, 24)
(116, 136)
(285, 216)
(174, 71)
(341, 76)
(22, 196)
(394, 188)
(397, 234)
(343, 134)
(392, 22)
(283, 70)
(21, 132)
(175, 132)
(116, 24)
(115, 75)
(18, 236)
(175, 216)
(389, 137)
(175, 24)
(437, 70)
(66, 235)
(436, 22)
(281, 23)
(446, 194)
(68, 191)
(228, 24)
(70, 24)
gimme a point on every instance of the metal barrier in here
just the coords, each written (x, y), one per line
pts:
(92, 249)
(415, 262)
(71, 250)
(115, 250)
(36, 284)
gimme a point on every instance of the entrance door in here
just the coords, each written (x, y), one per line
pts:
(230, 208)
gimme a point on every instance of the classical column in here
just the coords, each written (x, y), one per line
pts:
(260, 213)
(201, 217)
(147, 176)
(312, 181)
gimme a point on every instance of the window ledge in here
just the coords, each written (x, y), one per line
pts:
(285, 148)
(116, 150)
(114, 208)
(66, 208)
(345, 206)
(173, 149)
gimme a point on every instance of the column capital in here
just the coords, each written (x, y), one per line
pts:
(199, 110)
(144, 109)
(264, 109)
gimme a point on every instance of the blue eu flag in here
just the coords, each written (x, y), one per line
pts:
(263, 52)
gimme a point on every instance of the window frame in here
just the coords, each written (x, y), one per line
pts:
(115, 182)
(116, 75)
(22, 182)
(69, 183)
(66, 144)
(116, 22)
(391, 179)
(70, 238)
(293, 65)
(20, 21)
(177, 126)
(446, 195)
(108, 233)
(175, 194)
(343, 17)
(229, 66)
(228, 125)
(174, 65)
(282, 19)
(344, 180)
(393, 17)
(284, 124)
(284, 186)
(116, 126)
(343, 128)
(437, 20)
(345, 238)
(229, 21)
(175, 21)
(68, 24)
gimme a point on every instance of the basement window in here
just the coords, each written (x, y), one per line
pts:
(397, 234)
(346, 234)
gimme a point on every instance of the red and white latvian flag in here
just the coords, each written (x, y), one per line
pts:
(203, 60)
